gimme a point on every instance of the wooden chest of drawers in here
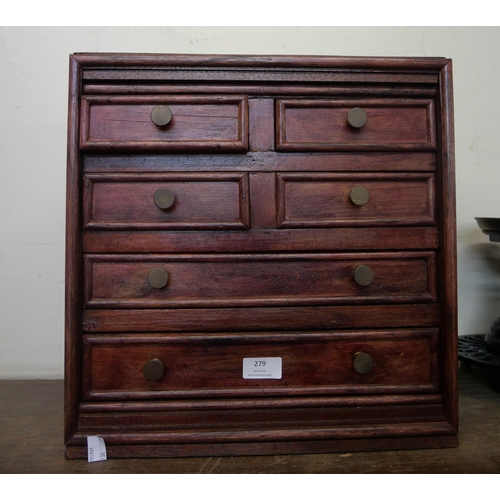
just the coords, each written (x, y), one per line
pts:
(260, 255)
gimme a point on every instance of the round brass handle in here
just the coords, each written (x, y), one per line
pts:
(359, 195)
(153, 369)
(161, 115)
(158, 277)
(164, 198)
(357, 117)
(363, 275)
(363, 362)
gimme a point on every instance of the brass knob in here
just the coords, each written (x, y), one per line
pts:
(363, 275)
(363, 362)
(359, 195)
(153, 370)
(357, 117)
(164, 198)
(161, 115)
(158, 277)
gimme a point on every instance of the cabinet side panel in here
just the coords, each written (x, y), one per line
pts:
(447, 253)
(73, 258)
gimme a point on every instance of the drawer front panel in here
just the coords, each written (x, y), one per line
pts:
(252, 280)
(195, 201)
(213, 365)
(322, 125)
(213, 123)
(336, 200)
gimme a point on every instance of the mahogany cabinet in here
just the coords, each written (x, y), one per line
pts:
(260, 255)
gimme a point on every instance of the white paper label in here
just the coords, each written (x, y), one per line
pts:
(262, 368)
(96, 449)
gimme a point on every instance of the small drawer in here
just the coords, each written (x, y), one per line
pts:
(354, 200)
(171, 366)
(169, 123)
(355, 125)
(249, 280)
(166, 201)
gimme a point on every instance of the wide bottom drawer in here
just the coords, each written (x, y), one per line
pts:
(160, 366)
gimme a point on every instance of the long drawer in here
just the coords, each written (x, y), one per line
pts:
(219, 280)
(187, 365)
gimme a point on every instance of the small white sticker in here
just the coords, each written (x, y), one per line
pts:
(262, 368)
(96, 449)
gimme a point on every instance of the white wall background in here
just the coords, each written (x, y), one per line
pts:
(33, 110)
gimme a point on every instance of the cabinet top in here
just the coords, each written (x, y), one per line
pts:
(260, 61)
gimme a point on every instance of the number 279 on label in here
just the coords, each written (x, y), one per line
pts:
(262, 368)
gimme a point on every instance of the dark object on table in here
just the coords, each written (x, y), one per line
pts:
(493, 338)
(473, 351)
(484, 350)
(491, 227)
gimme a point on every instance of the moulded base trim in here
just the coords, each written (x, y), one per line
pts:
(270, 448)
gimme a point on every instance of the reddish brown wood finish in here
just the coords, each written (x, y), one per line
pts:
(198, 123)
(207, 366)
(74, 269)
(322, 200)
(239, 420)
(447, 256)
(260, 318)
(391, 65)
(339, 239)
(257, 280)
(265, 89)
(202, 201)
(404, 438)
(260, 247)
(320, 125)
(344, 402)
(264, 161)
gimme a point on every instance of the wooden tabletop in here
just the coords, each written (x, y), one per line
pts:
(31, 442)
